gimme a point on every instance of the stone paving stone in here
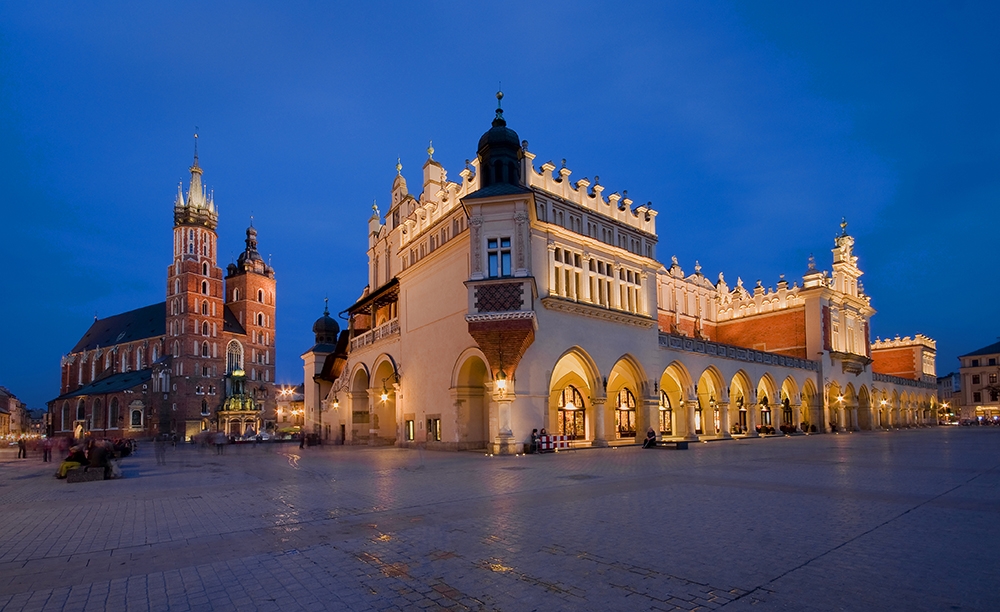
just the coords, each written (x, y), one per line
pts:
(849, 522)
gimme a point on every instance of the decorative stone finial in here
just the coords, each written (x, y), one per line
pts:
(430, 150)
(196, 146)
(843, 226)
(326, 307)
(375, 208)
(673, 260)
(399, 167)
(697, 267)
(812, 262)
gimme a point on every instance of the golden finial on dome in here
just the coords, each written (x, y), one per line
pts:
(399, 166)
(430, 150)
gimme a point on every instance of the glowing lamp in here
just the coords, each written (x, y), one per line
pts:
(501, 381)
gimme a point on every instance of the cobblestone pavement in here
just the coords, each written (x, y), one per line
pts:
(903, 520)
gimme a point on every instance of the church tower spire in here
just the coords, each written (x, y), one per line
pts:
(198, 209)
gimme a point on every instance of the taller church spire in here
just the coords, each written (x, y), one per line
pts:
(198, 208)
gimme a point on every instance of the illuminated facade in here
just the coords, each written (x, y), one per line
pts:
(517, 299)
(201, 360)
(980, 387)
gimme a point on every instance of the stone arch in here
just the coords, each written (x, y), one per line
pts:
(865, 417)
(471, 401)
(895, 408)
(835, 404)
(811, 407)
(576, 369)
(741, 393)
(384, 391)
(626, 391)
(677, 388)
(767, 403)
(788, 405)
(710, 392)
(359, 406)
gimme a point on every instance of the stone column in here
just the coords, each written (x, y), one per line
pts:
(600, 438)
(504, 444)
(854, 418)
(797, 416)
(724, 414)
(585, 281)
(752, 420)
(690, 405)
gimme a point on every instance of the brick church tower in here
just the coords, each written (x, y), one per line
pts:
(195, 311)
(250, 295)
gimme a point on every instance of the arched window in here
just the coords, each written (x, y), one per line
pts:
(124, 361)
(107, 361)
(625, 413)
(570, 419)
(113, 414)
(234, 356)
(204, 269)
(204, 406)
(260, 295)
(177, 348)
(204, 307)
(96, 414)
(666, 415)
(204, 287)
(156, 352)
(81, 411)
(204, 349)
(138, 359)
(204, 328)
(136, 418)
(65, 424)
(260, 319)
(236, 295)
(177, 288)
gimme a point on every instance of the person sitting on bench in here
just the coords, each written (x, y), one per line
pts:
(650, 441)
(75, 459)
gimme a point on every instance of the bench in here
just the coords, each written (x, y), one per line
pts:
(674, 444)
(81, 474)
(549, 444)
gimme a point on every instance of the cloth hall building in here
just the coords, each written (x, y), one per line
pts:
(518, 299)
(201, 360)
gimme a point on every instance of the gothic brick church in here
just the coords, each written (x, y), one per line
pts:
(202, 360)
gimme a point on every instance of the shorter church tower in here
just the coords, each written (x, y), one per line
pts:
(250, 287)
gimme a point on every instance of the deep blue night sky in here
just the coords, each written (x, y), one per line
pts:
(751, 126)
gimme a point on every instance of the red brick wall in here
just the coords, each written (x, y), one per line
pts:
(902, 361)
(782, 332)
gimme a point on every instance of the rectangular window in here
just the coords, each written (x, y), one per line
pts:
(977, 396)
(975, 363)
(434, 429)
(993, 361)
(993, 379)
(975, 379)
(410, 433)
(498, 257)
(994, 395)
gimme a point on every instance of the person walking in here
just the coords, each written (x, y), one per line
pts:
(22, 449)
(47, 450)
(160, 450)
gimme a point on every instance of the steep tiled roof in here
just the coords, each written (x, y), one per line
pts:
(497, 189)
(111, 384)
(145, 322)
(230, 323)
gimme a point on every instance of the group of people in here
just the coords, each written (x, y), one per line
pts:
(93, 455)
